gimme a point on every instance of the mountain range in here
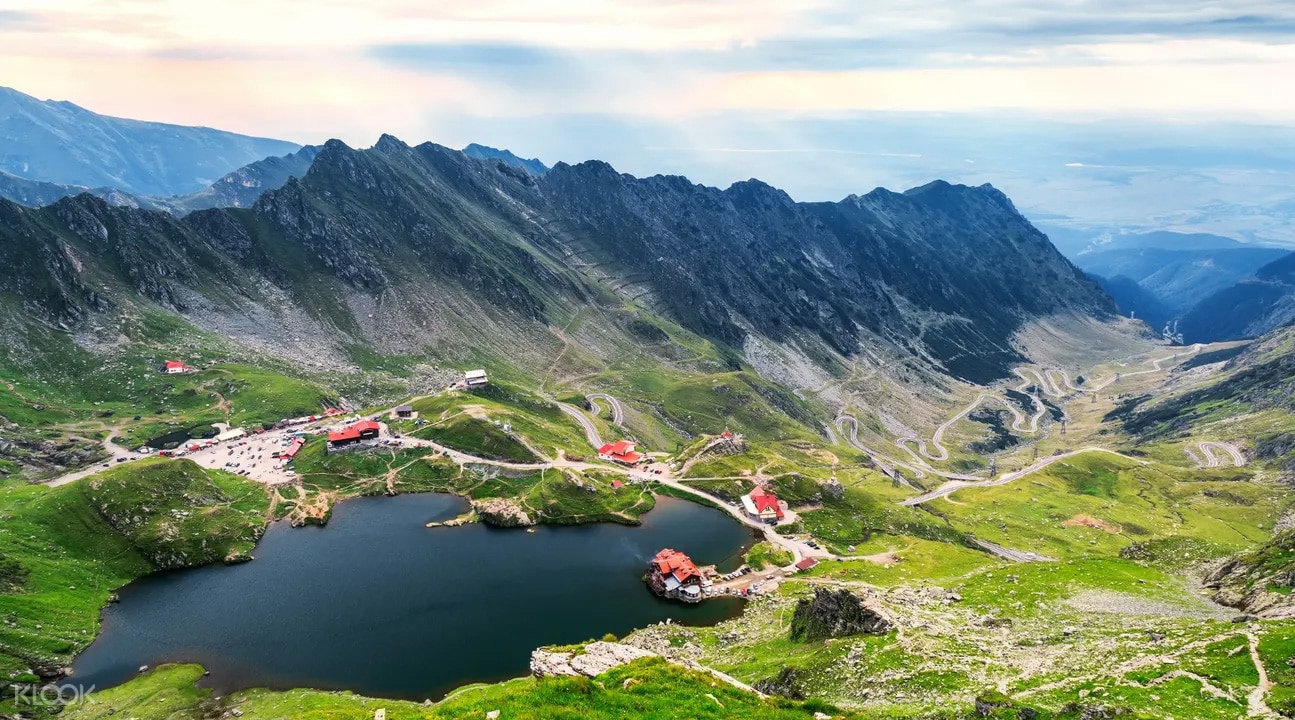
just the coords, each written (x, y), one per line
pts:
(1179, 278)
(65, 144)
(427, 250)
(1250, 308)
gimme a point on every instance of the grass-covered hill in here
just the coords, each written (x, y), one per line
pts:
(64, 550)
(647, 688)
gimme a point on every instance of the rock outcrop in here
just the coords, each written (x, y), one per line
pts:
(1251, 581)
(835, 614)
(501, 512)
(596, 659)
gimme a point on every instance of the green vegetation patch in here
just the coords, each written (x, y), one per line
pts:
(477, 437)
(77, 543)
(1098, 504)
(764, 554)
(177, 514)
(648, 688)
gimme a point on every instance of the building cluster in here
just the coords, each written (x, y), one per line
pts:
(293, 448)
(673, 575)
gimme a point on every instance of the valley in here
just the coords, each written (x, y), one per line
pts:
(922, 527)
(973, 490)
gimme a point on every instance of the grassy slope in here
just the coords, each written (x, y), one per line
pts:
(79, 542)
(643, 689)
(1097, 504)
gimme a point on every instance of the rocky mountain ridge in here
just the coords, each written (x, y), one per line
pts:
(426, 250)
(240, 188)
(1250, 308)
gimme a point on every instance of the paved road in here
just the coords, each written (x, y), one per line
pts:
(888, 463)
(116, 453)
(1155, 367)
(1065, 378)
(937, 438)
(953, 486)
(1010, 554)
(618, 411)
(591, 430)
(1211, 460)
(1030, 376)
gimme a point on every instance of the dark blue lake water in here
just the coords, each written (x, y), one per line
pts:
(377, 603)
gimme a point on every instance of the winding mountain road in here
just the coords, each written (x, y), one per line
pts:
(618, 410)
(886, 463)
(591, 429)
(955, 485)
(116, 454)
(1155, 368)
(1211, 460)
(1040, 380)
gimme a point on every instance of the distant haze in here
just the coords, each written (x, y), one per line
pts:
(1093, 115)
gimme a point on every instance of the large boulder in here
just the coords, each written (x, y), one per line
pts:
(835, 614)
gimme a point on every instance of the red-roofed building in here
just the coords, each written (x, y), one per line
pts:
(673, 575)
(806, 564)
(620, 452)
(763, 505)
(617, 484)
(353, 433)
(175, 367)
(293, 448)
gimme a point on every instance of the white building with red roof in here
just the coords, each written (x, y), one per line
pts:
(671, 574)
(176, 367)
(763, 506)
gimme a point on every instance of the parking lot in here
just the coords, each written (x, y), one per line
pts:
(251, 456)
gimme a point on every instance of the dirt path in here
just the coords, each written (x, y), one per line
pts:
(1257, 705)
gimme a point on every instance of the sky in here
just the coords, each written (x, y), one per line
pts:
(821, 97)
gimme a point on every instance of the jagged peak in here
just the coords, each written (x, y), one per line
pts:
(756, 188)
(390, 143)
(335, 145)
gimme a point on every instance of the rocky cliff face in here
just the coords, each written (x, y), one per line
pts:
(832, 614)
(411, 248)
